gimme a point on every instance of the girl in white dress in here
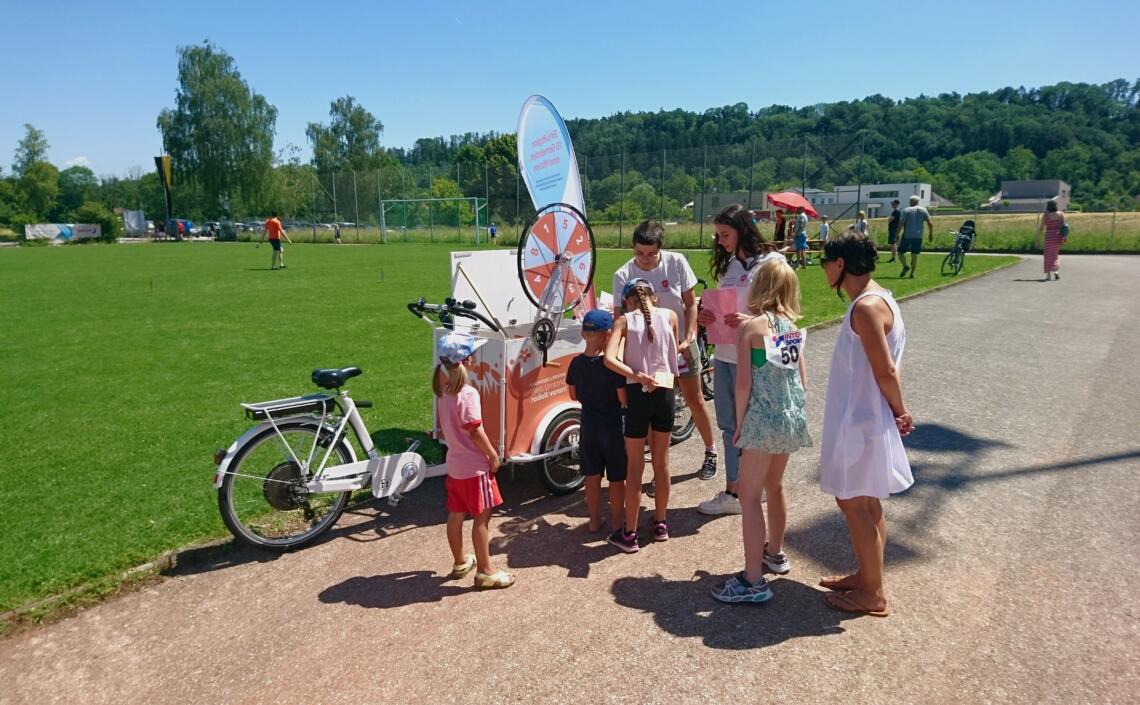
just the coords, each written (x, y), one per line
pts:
(862, 459)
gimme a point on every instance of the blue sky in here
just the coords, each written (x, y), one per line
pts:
(93, 76)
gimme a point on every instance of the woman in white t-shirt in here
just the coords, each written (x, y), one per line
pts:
(673, 281)
(738, 252)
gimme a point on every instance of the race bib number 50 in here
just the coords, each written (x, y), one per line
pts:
(784, 349)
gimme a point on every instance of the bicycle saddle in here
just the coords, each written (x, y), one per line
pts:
(333, 378)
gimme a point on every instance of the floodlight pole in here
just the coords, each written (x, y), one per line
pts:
(313, 182)
(356, 206)
(431, 212)
(380, 200)
(621, 200)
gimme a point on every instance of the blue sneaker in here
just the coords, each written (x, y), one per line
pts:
(736, 589)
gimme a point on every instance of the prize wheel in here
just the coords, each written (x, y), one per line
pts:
(556, 258)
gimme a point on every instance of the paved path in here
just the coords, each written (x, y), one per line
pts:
(1012, 562)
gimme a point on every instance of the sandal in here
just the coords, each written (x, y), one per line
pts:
(461, 569)
(839, 583)
(495, 581)
(843, 602)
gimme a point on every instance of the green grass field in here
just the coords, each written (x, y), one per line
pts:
(124, 366)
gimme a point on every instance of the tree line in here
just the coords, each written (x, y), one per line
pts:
(220, 135)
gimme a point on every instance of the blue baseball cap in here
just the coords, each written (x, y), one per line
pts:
(597, 320)
(456, 347)
(633, 284)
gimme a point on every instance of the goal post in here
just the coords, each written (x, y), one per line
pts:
(401, 214)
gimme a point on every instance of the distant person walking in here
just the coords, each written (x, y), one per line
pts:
(336, 233)
(893, 229)
(274, 231)
(781, 226)
(492, 232)
(1056, 231)
(861, 225)
(913, 216)
(862, 459)
(801, 242)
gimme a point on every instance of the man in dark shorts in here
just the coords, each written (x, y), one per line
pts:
(275, 231)
(601, 445)
(893, 229)
(911, 223)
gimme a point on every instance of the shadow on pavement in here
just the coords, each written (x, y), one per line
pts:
(684, 608)
(395, 589)
(369, 519)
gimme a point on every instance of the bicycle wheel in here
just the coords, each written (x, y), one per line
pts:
(704, 358)
(959, 260)
(683, 422)
(947, 263)
(562, 474)
(263, 499)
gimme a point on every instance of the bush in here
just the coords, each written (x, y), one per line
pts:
(98, 214)
(17, 220)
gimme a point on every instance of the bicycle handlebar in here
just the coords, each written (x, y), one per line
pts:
(450, 307)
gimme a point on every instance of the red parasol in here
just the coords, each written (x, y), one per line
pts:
(790, 200)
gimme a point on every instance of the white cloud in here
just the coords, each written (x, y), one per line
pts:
(78, 161)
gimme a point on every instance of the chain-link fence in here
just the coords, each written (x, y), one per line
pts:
(685, 188)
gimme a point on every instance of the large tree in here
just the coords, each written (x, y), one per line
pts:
(29, 150)
(40, 186)
(351, 140)
(220, 132)
(77, 185)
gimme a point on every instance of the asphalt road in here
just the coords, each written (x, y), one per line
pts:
(1012, 562)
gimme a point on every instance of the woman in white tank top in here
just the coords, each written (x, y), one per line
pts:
(862, 459)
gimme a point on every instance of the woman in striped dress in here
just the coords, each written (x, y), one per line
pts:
(1052, 222)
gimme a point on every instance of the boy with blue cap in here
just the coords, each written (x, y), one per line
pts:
(601, 445)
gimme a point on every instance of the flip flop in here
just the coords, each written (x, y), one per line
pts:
(461, 569)
(841, 602)
(835, 582)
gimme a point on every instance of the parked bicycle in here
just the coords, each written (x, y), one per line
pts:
(683, 423)
(287, 480)
(963, 242)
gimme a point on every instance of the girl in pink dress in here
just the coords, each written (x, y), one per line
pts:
(1052, 222)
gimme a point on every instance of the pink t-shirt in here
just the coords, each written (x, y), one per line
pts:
(458, 414)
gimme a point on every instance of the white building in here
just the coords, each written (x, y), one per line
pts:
(875, 199)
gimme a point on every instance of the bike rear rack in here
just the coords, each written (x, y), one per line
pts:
(319, 403)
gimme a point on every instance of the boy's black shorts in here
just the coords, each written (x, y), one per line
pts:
(600, 450)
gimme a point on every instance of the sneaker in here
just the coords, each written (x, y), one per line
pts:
(1057, 276)
(808, 262)
(660, 531)
(904, 271)
(778, 563)
(736, 589)
(650, 490)
(708, 467)
(722, 503)
(626, 542)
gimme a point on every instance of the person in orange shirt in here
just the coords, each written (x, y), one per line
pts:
(275, 232)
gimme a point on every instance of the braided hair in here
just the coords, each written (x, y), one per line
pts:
(643, 295)
(858, 253)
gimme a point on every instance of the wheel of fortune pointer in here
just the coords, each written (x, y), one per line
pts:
(555, 266)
